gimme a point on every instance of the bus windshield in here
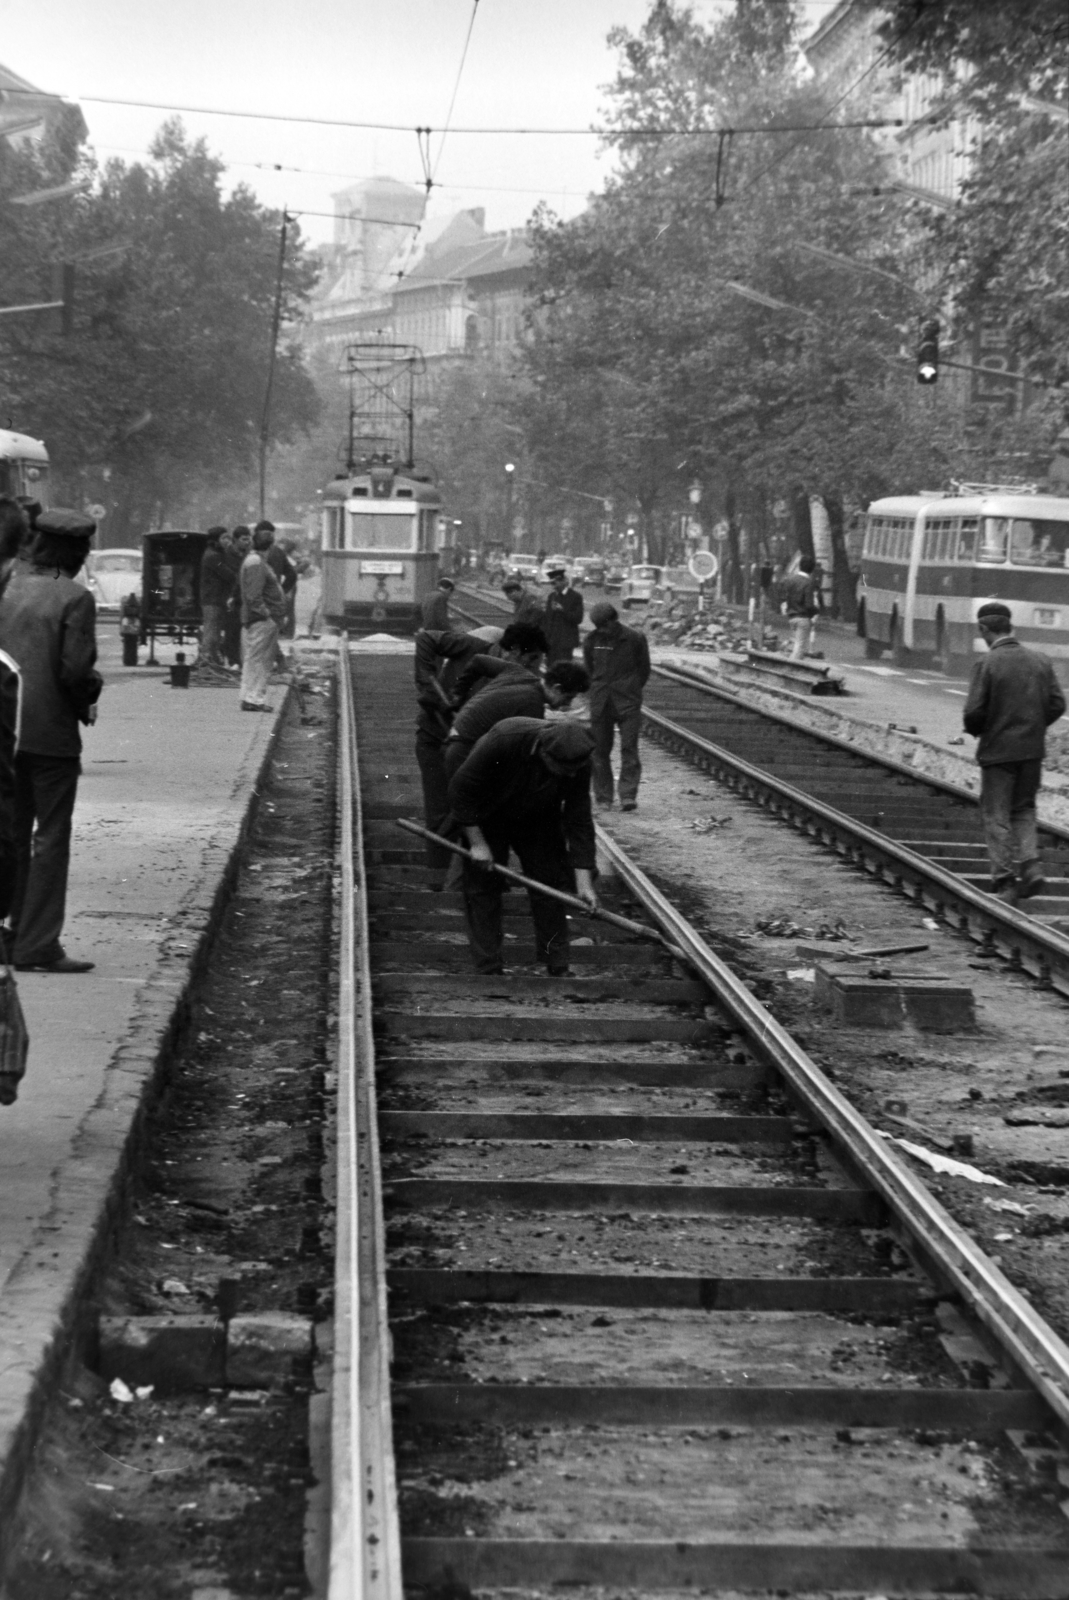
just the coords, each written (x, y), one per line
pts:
(379, 530)
(1025, 541)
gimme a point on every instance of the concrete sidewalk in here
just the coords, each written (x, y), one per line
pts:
(163, 805)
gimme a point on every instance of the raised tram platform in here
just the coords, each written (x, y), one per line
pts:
(167, 794)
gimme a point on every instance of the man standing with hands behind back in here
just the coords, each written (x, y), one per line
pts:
(48, 626)
(1013, 698)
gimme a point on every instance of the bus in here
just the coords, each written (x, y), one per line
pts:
(23, 467)
(930, 561)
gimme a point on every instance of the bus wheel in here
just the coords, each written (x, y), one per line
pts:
(899, 653)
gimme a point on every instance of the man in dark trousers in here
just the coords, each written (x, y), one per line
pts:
(434, 608)
(526, 696)
(1013, 698)
(526, 786)
(799, 596)
(440, 655)
(48, 626)
(562, 615)
(217, 583)
(618, 660)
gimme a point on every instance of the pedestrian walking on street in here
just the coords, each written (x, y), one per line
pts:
(262, 610)
(48, 626)
(218, 578)
(1013, 699)
(562, 614)
(434, 608)
(526, 787)
(799, 597)
(618, 660)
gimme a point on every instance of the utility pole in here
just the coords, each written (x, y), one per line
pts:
(276, 320)
(510, 472)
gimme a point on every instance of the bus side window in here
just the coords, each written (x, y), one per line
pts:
(993, 546)
(967, 540)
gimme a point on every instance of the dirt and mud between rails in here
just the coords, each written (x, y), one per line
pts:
(205, 1492)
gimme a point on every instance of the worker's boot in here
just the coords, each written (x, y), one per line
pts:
(1032, 880)
(1005, 888)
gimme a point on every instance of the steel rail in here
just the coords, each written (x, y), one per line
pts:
(365, 1545)
(1029, 944)
(1033, 1347)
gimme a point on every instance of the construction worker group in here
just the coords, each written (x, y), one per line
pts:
(514, 740)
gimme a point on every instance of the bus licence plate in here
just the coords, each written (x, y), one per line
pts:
(383, 569)
(1043, 617)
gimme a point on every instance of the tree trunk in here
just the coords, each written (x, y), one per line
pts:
(732, 585)
(844, 584)
(801, 522)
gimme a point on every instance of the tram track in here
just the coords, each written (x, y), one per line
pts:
(920, 835)
(643, 1139)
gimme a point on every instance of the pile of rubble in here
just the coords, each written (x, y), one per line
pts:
(717, 628)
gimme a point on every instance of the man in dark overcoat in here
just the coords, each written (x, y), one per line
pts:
(562, 615)
(618, 660)
(1013, 698)
(48, 626)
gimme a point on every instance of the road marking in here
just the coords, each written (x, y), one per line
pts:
(924, 682)
(881, 672)
(963, 692)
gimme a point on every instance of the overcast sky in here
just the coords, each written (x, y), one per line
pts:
(530, 63)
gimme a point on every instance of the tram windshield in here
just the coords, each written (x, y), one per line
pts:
(377, 530)
(1024, 541)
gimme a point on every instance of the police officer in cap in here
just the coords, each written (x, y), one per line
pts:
(48, 626)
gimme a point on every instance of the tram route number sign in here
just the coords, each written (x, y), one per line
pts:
(382, 569)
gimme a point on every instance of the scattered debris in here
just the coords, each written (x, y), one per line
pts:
(784, 928)
(708, 824)
(1015, 1206)
(945, 1164)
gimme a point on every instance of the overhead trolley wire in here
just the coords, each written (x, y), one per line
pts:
(453, 98)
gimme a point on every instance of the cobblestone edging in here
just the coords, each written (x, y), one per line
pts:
(44, 1297)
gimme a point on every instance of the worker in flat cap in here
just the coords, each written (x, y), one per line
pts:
(434, 607)
(48, 626)
(563, 612)
(618, 660)
(526, 786)
(526, 607)
(1013, 699)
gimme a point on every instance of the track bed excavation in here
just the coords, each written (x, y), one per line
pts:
(653, 1326)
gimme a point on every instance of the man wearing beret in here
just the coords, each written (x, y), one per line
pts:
(526, 786)
(1013, 698)
(48, 625)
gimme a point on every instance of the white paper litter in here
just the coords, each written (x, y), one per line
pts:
(1015, 1206)
(119, 1391)
(946, 1164)
(802, 974)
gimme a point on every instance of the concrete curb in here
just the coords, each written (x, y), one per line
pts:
(89, 1195)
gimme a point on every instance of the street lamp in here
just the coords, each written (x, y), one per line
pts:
(510, 471)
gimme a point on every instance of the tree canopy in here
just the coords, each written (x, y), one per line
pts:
(152, 403)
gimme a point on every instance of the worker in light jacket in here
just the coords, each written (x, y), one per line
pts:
(1013, 699)
(618, 660)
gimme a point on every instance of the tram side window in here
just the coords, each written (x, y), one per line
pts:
(938, 539)
(993, 543)
(902, 539)
(966, 540)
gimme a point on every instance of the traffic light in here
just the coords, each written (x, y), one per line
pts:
(928, 353)
(63, 295)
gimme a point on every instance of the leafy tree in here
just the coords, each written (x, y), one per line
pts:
(153, 404)
(991, 51)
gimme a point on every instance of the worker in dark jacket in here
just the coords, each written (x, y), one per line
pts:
(1013, 698)
(563, 612)
(218, 580)
(800, 603)
(517, 657)
(526, 786)
(618, 660)
(48, 626)
(434, 608)
(526, 696)
(439, 657)
(526, 607)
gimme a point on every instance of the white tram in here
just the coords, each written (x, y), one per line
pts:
(23, 467)
(381, 537)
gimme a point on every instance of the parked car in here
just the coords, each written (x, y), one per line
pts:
(110, 575)
(527, 567)
(554, 561)
(637, 588)
(588, 569)
(614, 575)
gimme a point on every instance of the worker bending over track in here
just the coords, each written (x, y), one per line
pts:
(507, 696)
(526, 786)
